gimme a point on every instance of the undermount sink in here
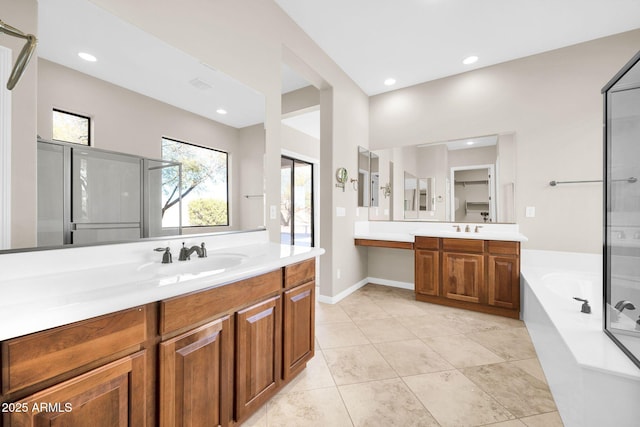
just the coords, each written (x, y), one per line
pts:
(213, 263)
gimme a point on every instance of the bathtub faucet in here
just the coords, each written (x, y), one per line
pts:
(624, 304)
(586, 308)
(620, 307)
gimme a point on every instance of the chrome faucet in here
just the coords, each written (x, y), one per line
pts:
(620, 307)
(185, 254)
(457, 227)
(467, 229)
(478, 227)
(166, 257)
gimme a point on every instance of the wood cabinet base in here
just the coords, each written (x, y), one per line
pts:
(478, 275)
(499, 311)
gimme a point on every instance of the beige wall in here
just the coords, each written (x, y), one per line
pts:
(250, 165)
(22, 15)
(297, 142)
(552, 102)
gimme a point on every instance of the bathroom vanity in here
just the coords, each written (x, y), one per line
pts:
(216, 338)
(479, 275)
(477, 271)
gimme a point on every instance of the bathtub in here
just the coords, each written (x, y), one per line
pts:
(592, 381)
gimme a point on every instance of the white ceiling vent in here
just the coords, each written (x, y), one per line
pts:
(200, 84)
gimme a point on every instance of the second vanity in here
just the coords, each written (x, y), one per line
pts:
(200, 342)
(458, 267)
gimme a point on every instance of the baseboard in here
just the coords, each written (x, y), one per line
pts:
(392, 283)
(342, 295)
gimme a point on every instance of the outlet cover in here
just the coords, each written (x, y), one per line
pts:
(530, 211)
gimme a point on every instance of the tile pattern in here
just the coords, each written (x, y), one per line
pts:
(384, 359)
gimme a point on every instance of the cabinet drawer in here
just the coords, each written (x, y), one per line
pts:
(463, 245)
(427, 242)
(111, 395)
(197, 307)
(44, 355)
(501, 247)
(302, 272)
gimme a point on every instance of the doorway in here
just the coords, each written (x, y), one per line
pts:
(296, 202)
(472, 194)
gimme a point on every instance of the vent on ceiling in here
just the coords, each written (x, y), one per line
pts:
(200, 84)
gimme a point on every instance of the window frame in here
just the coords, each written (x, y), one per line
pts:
(227, 155)
(69, 113)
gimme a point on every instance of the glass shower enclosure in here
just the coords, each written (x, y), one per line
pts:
(87, 195)
(622, 209)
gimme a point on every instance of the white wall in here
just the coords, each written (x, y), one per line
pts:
(552, 102)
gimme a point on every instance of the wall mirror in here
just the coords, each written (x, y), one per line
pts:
(368, 178)
(364, 177)
(137, 91)
(465, 180)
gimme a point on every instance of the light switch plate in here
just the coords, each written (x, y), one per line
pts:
(272, 211)
(530, 211)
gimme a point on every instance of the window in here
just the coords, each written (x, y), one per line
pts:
(70, 127)
(204, 185)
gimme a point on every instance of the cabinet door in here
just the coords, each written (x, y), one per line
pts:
(195, 376)
(298, 330)
(427, 272)
(258, 355)
(112, 395)
(504, 281)
(462, 276)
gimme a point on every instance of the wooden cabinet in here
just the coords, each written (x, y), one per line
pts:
(427, 272)
(503, 279)
(258, 355)
(110, 396)
(463, 269)
(427, 265)
(469, 273)
(299, 317)
(298, 329)
(206, 358)
(462, 276)
(96, 369)
(195, 376)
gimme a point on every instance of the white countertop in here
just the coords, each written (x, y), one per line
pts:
(405, 231)
(35, 302)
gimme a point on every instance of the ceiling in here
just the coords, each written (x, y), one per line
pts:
(415, 41)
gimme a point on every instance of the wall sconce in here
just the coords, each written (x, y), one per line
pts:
(386, 190)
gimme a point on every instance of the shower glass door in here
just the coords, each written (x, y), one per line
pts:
(622, 210)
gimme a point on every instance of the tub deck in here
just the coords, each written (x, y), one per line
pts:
(593, 382)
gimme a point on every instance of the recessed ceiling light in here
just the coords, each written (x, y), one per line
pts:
(221, 111)
(469, 60)
(470, 142)
(390, 81)
(87, 57)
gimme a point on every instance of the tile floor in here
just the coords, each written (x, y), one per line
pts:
(384, 359)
